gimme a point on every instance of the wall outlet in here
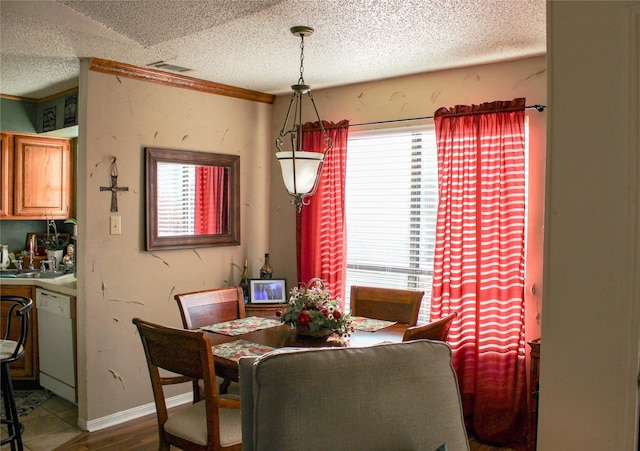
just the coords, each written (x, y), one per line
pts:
(115, 225)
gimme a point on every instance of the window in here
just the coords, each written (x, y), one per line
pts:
(391, 196)
(176, 198)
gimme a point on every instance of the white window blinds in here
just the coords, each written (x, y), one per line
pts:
(176, 199)
(391, 201)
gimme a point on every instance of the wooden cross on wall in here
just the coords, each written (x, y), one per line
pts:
(114, 188)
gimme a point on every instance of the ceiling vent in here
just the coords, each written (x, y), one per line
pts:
(166, 66)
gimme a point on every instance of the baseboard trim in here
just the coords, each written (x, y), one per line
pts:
(131, 414)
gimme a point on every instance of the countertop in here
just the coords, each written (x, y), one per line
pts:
(66, 284)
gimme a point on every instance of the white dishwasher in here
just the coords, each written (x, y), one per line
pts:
(56, 341)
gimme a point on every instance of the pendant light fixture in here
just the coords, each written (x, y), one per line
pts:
(301, 169)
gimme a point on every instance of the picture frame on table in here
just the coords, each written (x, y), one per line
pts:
(268, 291)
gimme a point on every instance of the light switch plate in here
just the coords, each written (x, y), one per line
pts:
(115, 225)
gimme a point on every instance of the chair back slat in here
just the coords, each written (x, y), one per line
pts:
(178, 350)
(388, 304)
(203, 308)
(437, 330)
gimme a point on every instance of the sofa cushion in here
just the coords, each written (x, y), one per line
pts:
(391, 396)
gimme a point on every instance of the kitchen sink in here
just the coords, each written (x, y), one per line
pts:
(41, 275)
(31, 274)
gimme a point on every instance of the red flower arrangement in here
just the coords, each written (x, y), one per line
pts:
(311, 311)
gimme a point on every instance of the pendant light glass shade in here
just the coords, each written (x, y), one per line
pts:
(301, 170)
(302, 179)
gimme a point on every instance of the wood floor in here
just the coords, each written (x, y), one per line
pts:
(142, 435)
(137, 435)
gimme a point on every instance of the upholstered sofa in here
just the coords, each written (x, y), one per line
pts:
(401, 396)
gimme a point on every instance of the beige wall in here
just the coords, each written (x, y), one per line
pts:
(117, 279)
(591, 333)
(418, 96)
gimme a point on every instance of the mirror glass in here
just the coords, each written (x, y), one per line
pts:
(192, 199)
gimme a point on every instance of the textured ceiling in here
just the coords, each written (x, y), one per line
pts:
(247, 43)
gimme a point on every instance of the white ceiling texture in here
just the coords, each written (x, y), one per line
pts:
(247, 43)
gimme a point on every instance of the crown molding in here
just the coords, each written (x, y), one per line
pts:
(175, 80)
(43, 99)
(19, 98)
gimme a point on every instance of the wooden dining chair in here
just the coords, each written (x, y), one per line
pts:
(437, 330)
(211, 424)
(390, 304)
(206, 307)
(203, 308)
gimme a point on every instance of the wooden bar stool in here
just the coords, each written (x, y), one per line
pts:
(12, 346)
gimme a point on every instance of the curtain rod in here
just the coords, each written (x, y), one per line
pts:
(539, 108)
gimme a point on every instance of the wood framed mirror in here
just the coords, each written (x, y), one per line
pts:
(192, 199)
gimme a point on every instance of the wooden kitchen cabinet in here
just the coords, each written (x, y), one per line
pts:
(37, 177)
(6, 173)
(25, 369)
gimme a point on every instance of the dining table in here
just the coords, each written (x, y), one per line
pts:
(278, 336)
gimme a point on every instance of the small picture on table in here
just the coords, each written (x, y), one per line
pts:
(49, 119)
(268, 291)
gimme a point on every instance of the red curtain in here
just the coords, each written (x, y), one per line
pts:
(211, 203)
(479, 262)
(321, 243)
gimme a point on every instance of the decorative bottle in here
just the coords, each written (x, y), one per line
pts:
(244, 281)
(266, 272)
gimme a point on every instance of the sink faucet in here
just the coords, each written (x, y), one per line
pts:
(50, 262)
(31, 267)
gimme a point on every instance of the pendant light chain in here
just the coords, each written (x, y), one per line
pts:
(301, 80)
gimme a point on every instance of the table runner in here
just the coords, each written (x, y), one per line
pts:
(242, 325)
(233, 350)
(370, 324)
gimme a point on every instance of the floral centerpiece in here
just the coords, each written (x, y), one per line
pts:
(312, 313)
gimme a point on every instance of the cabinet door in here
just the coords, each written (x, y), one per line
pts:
(6, 172)
(27, 367)
(43, 178)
